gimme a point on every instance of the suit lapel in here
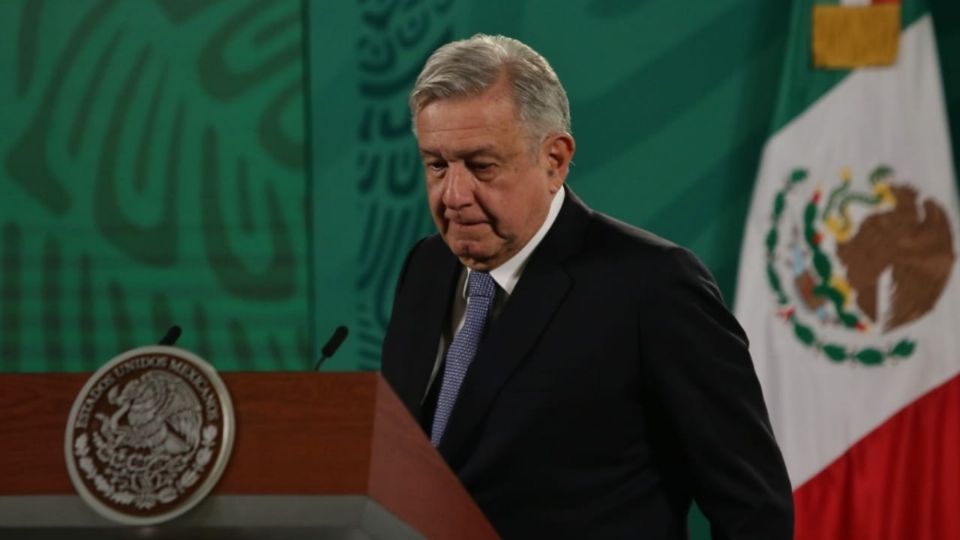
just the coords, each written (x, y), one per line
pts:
(539, 293)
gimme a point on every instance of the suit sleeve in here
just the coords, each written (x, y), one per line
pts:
(391, 368)
(706, 395)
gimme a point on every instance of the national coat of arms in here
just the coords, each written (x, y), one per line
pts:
(149, 435)
(853, 266)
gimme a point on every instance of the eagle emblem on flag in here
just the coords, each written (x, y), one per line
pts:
(853, 266)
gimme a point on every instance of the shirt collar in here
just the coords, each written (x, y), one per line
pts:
(508, 274)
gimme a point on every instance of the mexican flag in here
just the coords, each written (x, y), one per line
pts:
(849, 284)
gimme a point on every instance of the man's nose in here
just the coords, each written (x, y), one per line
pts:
(458, 191)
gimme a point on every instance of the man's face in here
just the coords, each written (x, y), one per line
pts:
(488, 185)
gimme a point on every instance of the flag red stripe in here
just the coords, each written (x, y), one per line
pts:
(900, 481)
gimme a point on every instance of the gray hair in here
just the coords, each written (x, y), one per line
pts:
(470, 66)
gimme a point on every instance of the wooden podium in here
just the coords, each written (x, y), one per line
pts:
(315, 456)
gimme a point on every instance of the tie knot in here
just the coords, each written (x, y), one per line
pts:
(481, 284)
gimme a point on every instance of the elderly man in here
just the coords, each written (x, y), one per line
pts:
(581, 376)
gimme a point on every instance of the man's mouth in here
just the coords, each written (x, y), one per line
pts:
(465, 223)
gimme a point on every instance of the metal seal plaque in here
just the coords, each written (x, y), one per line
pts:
(149, 435)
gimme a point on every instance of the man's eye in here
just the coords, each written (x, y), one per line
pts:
(436, 166)
(481, 167)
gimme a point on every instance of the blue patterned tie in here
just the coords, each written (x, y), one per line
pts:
(480, 291)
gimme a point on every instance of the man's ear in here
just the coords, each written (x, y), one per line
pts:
(558, 149)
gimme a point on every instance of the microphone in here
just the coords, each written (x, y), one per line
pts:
(171, 337)
(332, 345)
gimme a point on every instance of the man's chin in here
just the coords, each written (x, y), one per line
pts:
(478, 265)
(472, 255)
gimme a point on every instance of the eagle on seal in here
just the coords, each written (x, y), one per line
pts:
(161, 413)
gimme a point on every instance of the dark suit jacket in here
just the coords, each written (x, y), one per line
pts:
(613, 387)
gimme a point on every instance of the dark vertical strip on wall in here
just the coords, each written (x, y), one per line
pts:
(946, 20)
(154, 245)
(244, 205)
(10, 302)
(82, 118)
(88, 346)
(141, 170)
(27, 44)
(162, 315)
(275, 141)
(278, 280)
(373, 242)
(51, 293)
(305, 348)
(173, 152)
(310, 237)
(27, 161)
(121, 318)
(370, 213)
(242, 352)
(201, 331)
(392, 250)
(278, 360)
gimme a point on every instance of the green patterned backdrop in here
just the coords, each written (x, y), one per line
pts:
(160, 164)
(151, 173)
